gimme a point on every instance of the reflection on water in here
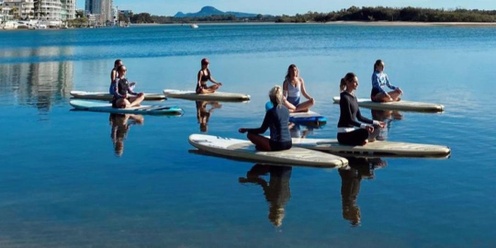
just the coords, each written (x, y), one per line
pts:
(121, 123)
(296, 132)
(351, 178)
(203, 113)
(36, 84)
(276, 190)
(387, 116)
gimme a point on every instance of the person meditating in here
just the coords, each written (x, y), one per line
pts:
(380, 81)
(124, 95)
(204, 76)
(277, 119)
(350, 129)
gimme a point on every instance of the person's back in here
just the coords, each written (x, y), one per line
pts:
(114, 75)
(278, 124)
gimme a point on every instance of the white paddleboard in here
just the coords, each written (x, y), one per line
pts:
(216, 96)
(376, 148)
(244, 149)
(142, 110)
(400, 105)
(106, 96)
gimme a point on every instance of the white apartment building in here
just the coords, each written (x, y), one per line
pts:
(54, 12)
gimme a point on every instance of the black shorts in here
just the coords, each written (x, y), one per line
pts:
(279, 146)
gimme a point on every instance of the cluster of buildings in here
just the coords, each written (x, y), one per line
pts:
(55, 13)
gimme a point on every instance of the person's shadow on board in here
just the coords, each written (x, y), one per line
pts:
(203, 115)
(351, 178)
(121, 124)
(276, 190)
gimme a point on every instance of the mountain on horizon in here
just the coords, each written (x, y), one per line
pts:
(210, 11)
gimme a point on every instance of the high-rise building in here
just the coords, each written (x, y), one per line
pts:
(101, 10)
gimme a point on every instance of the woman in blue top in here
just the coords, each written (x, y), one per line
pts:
(293, 88)
(379, 82)
(351, 130)
(277, 119)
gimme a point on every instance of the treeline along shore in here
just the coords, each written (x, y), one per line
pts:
(363, 14)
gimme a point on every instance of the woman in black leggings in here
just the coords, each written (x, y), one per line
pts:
(353, 128)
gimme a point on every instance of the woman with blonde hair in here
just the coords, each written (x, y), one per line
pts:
(277, 120)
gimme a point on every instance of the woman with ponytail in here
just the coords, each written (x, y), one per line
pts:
(350, 130)
(277, 120)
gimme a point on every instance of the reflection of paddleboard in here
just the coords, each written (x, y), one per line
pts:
(107, 96)
(401, 105)
(142, 110)
(244, 149)
(216, 96)
(376, 148)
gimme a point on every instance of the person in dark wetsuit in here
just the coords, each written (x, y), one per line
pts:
(277, 119)
(204, 76)
(350, 130)
(124, 96)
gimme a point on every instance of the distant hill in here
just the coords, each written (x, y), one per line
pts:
(210, 11)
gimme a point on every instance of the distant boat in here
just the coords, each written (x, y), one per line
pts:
(194, 25)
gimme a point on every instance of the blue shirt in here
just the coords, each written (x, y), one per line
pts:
(379, 81)
(277, 119)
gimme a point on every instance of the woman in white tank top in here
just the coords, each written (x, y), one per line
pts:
(293, 88)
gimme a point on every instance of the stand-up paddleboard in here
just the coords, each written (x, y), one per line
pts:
(376, 148)
(216, 96)
(107, 97)
(245, 150)
(400, 105)
(142, 110)
(307, 118)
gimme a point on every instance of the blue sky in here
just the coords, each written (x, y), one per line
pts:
(289, 7)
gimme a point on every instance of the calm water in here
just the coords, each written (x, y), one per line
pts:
(62, 184)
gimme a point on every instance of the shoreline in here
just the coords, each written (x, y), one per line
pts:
(357, 23)
(401, 23)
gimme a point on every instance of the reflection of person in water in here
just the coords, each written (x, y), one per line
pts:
(296, 132)
(276, 191)
(203, 115)
(120, 126)
(387, 116)
(350, 184)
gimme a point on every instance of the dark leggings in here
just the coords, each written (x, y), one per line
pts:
(354, 138)
(279, 146)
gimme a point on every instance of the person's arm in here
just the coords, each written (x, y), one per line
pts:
(113, 75)
(199, 76)
(362, 118)
(388, 84)
(261, 129)
(212, 78)
(285, 94)
(304, 90)
(128, 88)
